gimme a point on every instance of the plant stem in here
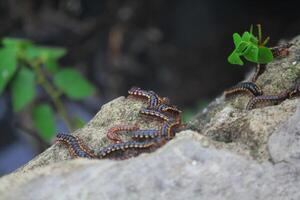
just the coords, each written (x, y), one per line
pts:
(54, 95)
(259, 33)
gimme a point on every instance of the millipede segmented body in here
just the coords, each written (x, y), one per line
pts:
(153, 101)
(136, 91)
(152, 97)
(270, 98)
(76, 147)
(105, 151)
(168, 108)
(145, 133)
(167, 129)
(248, 87)
(112, 133)
(154, 113)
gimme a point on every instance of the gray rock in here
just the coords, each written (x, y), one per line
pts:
(180, 170)
(284, 144)
(231, 154)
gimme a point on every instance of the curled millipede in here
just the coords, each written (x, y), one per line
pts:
(244, 87)
(268, 98)
(76, 147)
(112, 133)
(152, 97)
(167, 129)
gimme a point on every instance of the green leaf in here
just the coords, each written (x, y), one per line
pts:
(23, 89)
(52, 65)
(45, 53)
(15, 43)
(73, 84)
(236, 39)
(235, 59)
(51, 52)
(253, 40)
(8, 66)
(44, 122)
(251, 53)
(32, 52)
(246, 36)
(242, 47)
(264, 55)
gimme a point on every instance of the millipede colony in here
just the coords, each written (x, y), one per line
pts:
(255, 91)
(157, 107)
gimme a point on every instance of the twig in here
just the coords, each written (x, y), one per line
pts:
(54, 95)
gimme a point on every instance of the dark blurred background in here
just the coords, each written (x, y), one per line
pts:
(176, 48)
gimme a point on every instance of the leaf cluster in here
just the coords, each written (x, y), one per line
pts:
(250, 48)
(24, 66)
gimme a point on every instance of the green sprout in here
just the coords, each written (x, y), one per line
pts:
(251, 48)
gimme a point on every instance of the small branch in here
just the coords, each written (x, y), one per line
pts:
(54, 95)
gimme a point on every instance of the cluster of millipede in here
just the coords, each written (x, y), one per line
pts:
(255, 91)
(157, 108)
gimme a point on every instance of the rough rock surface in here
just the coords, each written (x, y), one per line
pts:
(185, 172)
(230, 153)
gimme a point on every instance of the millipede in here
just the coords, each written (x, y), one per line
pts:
(153, 101)
(154, 113)
(244, 87)
(112, 133)
(168, 108)
(151, 133)
(151, 96)
(268, 98)
(75, 146)
(136, 91)
(105, 151)
(167, 129)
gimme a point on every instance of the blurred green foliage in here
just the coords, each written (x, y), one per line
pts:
(251, 48)
(24, 66)
(189, 113)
